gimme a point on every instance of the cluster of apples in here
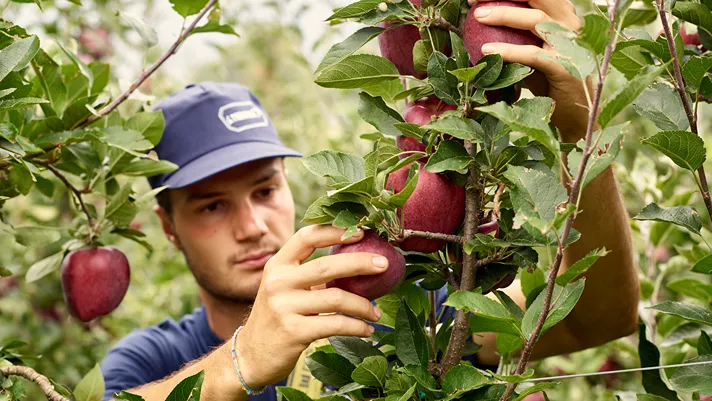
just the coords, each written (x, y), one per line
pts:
(437, 204)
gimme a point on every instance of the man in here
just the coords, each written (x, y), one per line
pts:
(230, 211)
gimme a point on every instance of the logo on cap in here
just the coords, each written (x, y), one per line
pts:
(241, 116)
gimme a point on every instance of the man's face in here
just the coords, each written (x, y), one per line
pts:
(230, 224)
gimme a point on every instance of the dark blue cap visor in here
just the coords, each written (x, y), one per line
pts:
(223, 159)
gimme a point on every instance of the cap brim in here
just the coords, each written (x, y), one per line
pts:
(223, 159)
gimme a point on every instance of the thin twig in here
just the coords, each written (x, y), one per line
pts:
(430, 235)
(444, 24)
(680, 86)
(573, 200)
(433, 319)
(32, 375)
(704, 98)
(497, 214)
(147, 73)
(456, 346)
(72, 188)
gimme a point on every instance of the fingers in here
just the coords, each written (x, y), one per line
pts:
(561, 11)
(331, 267)
(325, 326)
(334, 300)
(302, 244)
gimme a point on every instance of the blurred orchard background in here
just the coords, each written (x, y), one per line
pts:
(279, 45)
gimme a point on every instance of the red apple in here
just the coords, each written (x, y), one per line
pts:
(7, 284)
(436, 205)
(94, 281)
(535, 397)
(421, 112)
(475, 34)
(610, 365)
(95, 41)
(377, 285)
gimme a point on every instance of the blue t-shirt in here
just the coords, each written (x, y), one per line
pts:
(153, 353)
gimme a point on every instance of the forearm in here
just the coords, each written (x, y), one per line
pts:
(220, 382)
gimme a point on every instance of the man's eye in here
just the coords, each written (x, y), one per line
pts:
(263, 193)
(210, 207)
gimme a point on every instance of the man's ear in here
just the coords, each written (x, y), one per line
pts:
(167, 225)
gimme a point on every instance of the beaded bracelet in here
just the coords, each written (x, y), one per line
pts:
(245, 387)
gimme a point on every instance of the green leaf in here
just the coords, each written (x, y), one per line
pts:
(535, 389)
(695, 378)
(649, 397)
(463, 378)
(65, 138)
(459, 52)
(580, 266)
(188, 7)
(149, 124)
(374, 111)
(467, 74)
(354, 10)
(458, 127)
(371, 372)
(444, 83)
(8, 131)
(408, 394)
(649, 357)
(411, 343)
(579, 61)
(628, 93)
(128, 396)
(662, 105)
(691, 288)
(329, 368)
(694, 13)
(565, 297)
(683, 216)
(12, 104)
(703, 265)
(17, 55)
(118, 200)
(285, 393)
(358, 71)
(145, 31)
(690, 312)
(508, 345)
(704, 344)
(148, 168)
(43, 267)
(398, 200)
(450, 156)
(411, 130)
(686, 149)
(49, 75)
(493, 67)
(353, 348)
(594, 34)
(530, 116)
(91, 387)
(85, 71)
(215, 26)
(349, 46)
(695, 69)
(510, 75)
(187, 387)
(541, 192)
(127, 140)
(340, 167)
(487, 314)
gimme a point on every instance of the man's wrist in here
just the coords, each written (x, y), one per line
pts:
(243, 370)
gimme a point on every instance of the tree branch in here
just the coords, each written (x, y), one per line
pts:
(456, 347)
(444, 24)
(573, 200)
(147, 73)
(680, 86)
(430, 235)
(32, 375)
(433, 320)
(72, 188)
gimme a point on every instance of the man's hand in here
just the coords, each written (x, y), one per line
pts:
(550, 79)
(288, 313)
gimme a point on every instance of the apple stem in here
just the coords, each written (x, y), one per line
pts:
(497, 214)
(32, 375)
(680, 86)
(440, 22)
(148, 72)
(73, 189)
(458, 338)
(431, 235)
(573, 200)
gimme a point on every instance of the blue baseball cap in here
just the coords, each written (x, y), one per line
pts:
(211, 127)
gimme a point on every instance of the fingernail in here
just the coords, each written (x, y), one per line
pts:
(378, 313)
(482, 12)
(380, 261)
(487, 49)
(371, 329)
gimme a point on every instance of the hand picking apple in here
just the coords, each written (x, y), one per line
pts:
(266, 299)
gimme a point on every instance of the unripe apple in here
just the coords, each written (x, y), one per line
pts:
(94, 281)
(436, 205)
(475, 34)
(421, 112)
(376, 285)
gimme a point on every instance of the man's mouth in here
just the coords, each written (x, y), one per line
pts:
(255, 260)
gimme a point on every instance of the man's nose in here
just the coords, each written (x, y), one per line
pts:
(249, 223)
